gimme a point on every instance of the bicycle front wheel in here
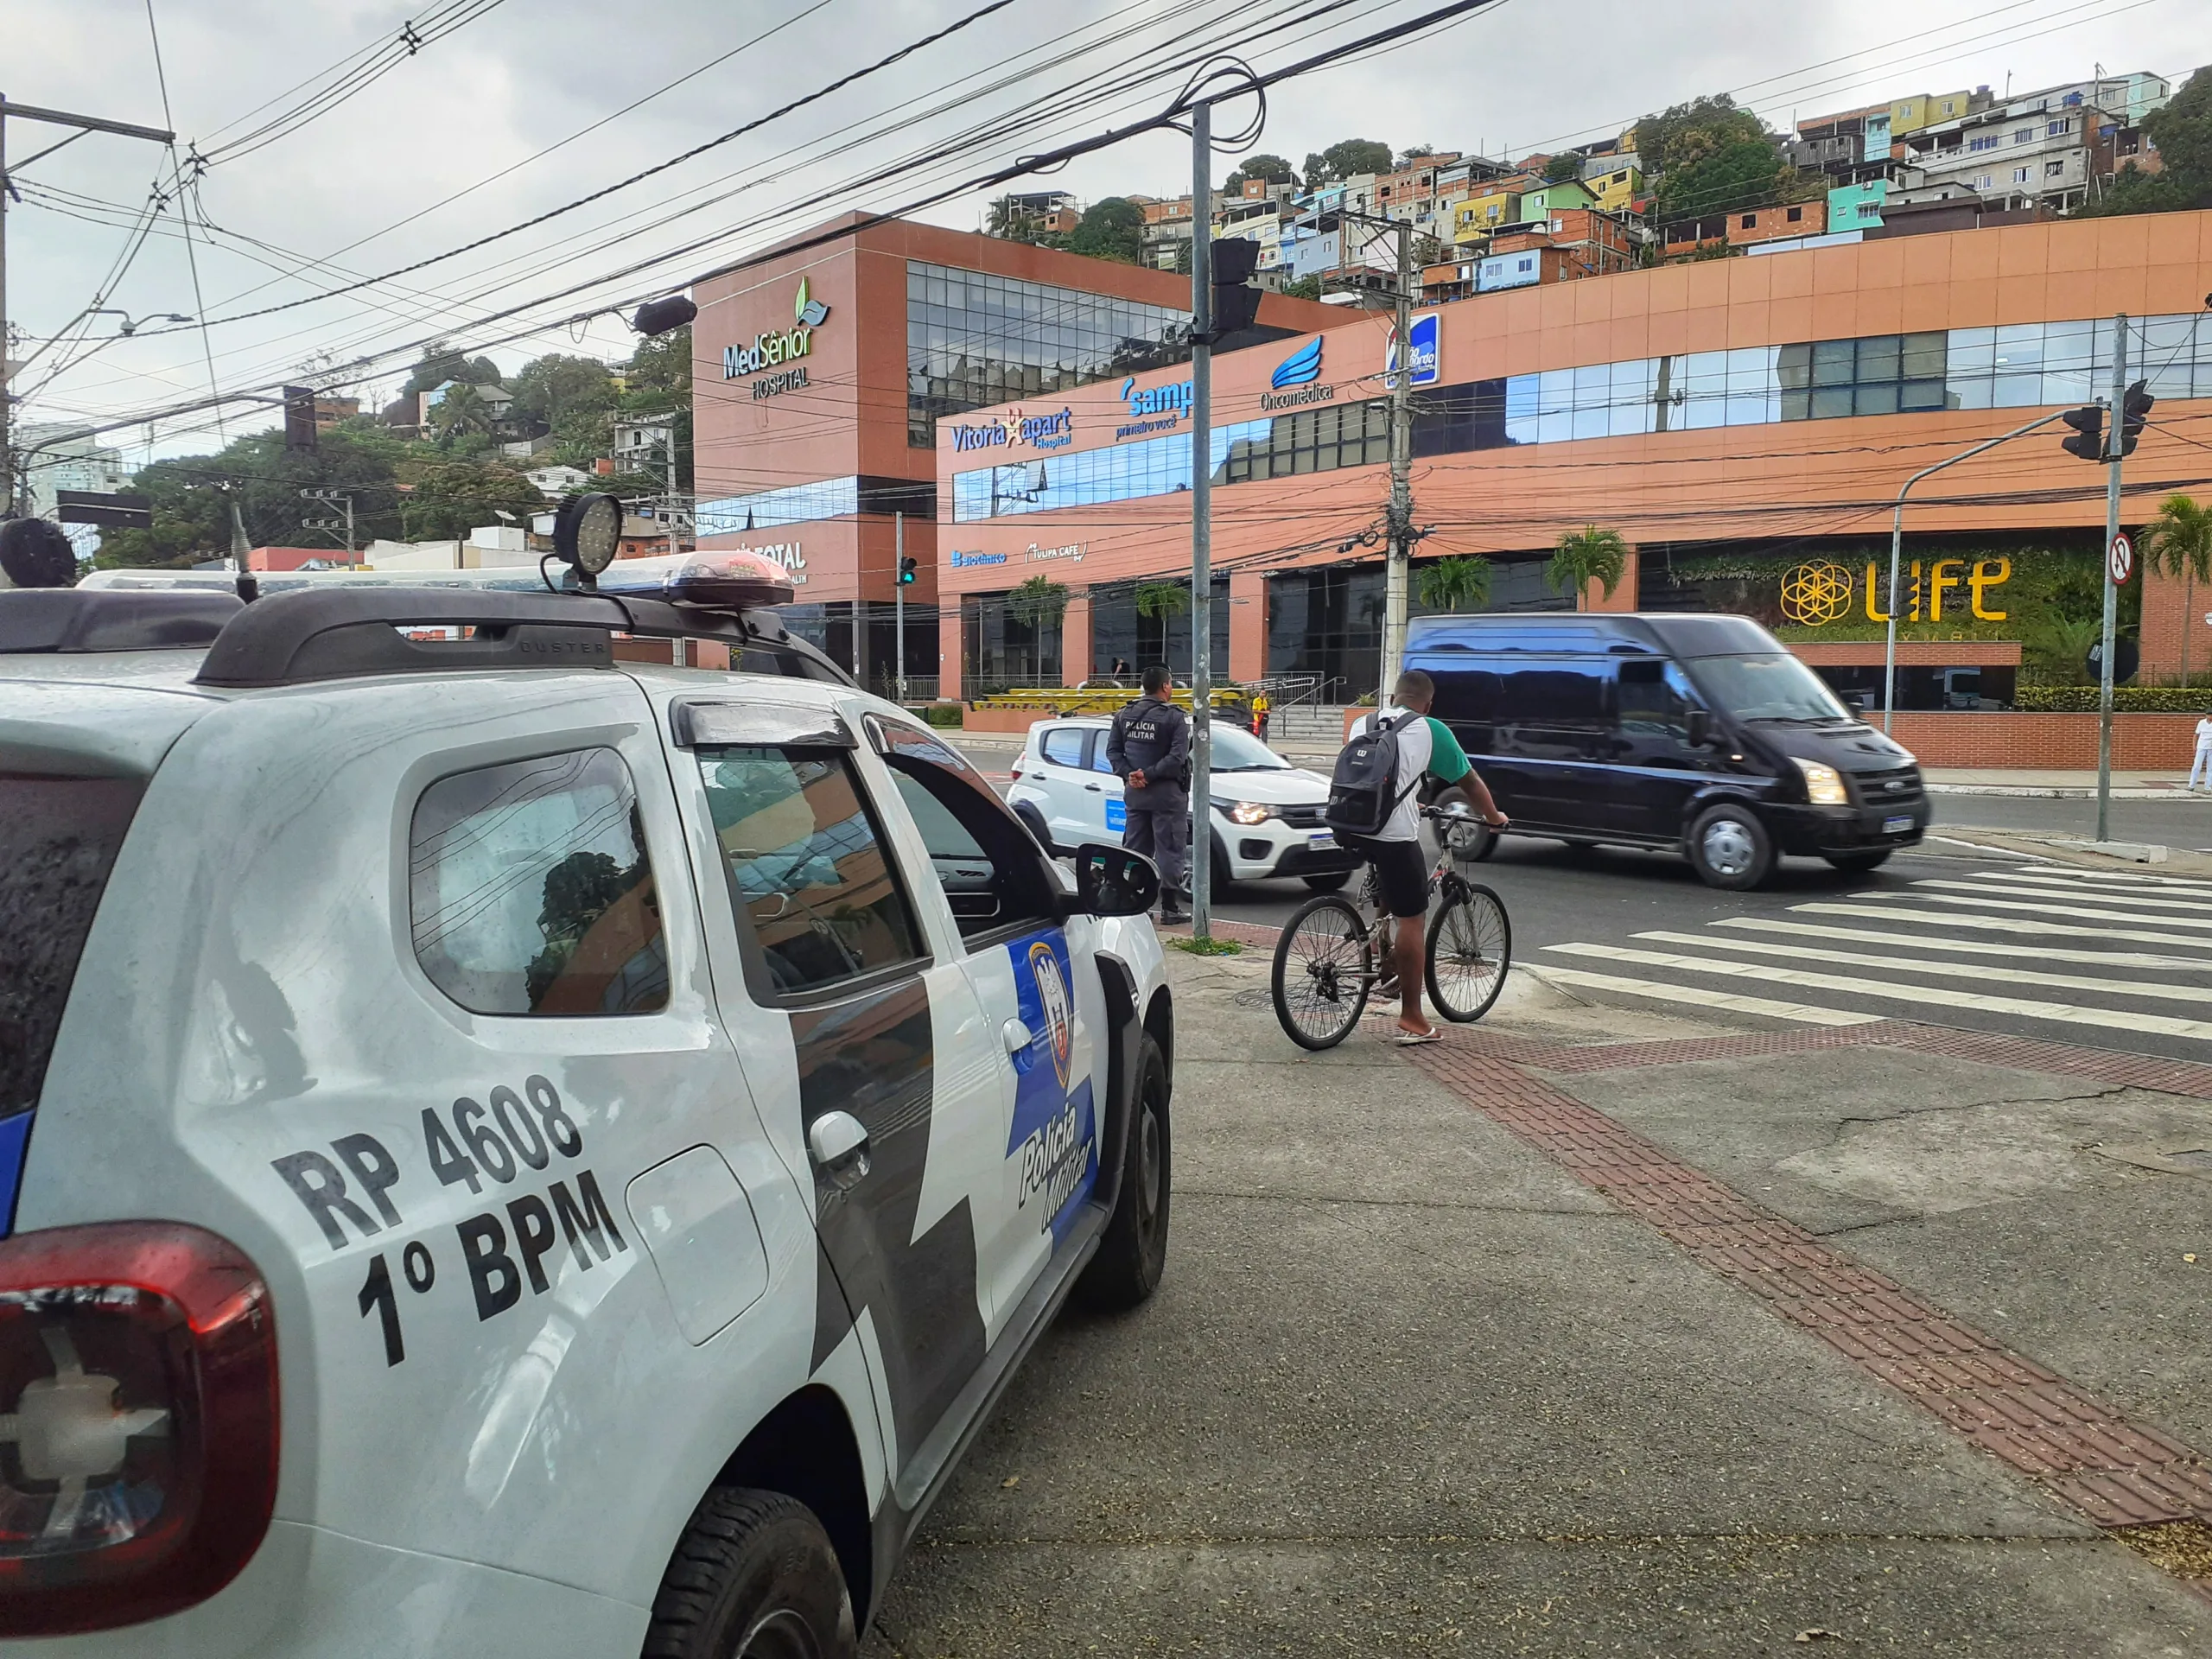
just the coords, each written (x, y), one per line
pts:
(1470, 947)
(1324, 964)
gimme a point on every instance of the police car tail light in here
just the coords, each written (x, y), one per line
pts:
(138, 1423)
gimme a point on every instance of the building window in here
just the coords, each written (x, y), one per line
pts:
(1796, 214)
(798, 503)
(2053, 169)
(1750, 222)
(1877, 374)
(2019, 176)
(1870, 210)
(2058, 128)
(974, 340)
(1984, 181)
(2024, 136)
(1989, 143)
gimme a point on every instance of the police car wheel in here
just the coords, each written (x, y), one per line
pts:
(1133, 1254)
(1034, 822)
(1329, 880)
(753, 1577)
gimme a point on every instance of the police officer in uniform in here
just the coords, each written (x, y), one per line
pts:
(1149, 749)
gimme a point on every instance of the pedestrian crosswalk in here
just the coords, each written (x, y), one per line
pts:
(2049, 945)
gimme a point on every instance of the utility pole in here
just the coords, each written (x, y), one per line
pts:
(673, 549)
(239, 548)
(1398, 569)
(339, 496)
(1201, 520)
(83, 123)
(2115, 444)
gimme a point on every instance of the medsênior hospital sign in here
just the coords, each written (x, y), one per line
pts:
(776, 347)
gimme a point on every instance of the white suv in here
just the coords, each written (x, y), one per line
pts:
(1266, 817)
(509, 1151)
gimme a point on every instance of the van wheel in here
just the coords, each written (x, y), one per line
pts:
(753, 1577)
(1731, 848)
(1133, 1254)
(1859, 863)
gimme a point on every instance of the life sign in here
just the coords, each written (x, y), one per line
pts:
(2119, 560)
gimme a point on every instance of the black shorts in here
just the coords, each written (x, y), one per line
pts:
(1402, 869)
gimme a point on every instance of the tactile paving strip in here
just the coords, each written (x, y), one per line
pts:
(2087, 1454)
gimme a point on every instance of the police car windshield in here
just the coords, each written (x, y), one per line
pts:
(1771, 686)
(1237, 750)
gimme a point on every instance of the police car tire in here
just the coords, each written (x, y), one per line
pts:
(1133, 1252)
(1034, 821)
(1329, 880)
(755, 1574)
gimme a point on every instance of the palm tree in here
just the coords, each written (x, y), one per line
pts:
(1161, 601)
(2060, 646)
(1460, 582)
(1586, 555)
(2178, 542)
(461, 409)
(1038, 604)
(1009, 223)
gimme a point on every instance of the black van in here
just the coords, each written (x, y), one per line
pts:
(1702, 734)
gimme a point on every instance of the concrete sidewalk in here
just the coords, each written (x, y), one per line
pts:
(1419, 1381)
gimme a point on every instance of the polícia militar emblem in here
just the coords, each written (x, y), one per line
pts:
(1053, 998)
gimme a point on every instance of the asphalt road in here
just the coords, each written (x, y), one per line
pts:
(1947, 933)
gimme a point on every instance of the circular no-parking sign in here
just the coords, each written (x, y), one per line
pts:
(2119, 558)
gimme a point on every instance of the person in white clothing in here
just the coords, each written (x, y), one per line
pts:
(2202, 768)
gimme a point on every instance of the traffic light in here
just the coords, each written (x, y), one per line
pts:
(298, 418)
(1236, 303)
(2089, 438)
(907, 563)
(2134, 405)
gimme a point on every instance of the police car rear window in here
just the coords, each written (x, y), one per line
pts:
(530, 892)
(59, 837)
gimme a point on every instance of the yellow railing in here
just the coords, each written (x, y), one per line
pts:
(1067, 700)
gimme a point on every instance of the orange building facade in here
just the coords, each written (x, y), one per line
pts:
(1742, 422)
(819, 375)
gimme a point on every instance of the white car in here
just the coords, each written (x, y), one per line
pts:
(1266, 819)
(507, 1152)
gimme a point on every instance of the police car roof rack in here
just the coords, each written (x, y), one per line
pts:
(327, 634)
(71, 619)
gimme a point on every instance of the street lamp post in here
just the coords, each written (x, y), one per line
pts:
(1897, 549)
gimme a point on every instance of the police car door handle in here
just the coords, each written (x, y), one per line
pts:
(1017, 1036)
(837, 1141)
(1096, 789)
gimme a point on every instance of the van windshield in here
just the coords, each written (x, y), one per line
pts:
(1770, 685)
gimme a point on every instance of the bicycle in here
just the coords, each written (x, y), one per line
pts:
(1333, 953)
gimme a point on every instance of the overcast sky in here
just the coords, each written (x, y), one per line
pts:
(517, 76)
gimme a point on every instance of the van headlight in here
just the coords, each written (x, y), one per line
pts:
(1245, 813)
(1823, 784)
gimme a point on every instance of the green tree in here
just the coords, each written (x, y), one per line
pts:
(460, 413)
(1038, 604)
(572, 397)
(1711, 156)
(1345, 159)
(1272, 168)
(1416, 153)
(1563, 168)
(191, 519)
(2182, 132)
(658, 382)
(2058, 643)
(1162, 601)
(1460, 582)
(1586, 555)
(1110, 229)
(449, 500)
(1305, 288)
(2178, 542)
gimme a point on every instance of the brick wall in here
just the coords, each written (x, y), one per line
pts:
(2037, 742)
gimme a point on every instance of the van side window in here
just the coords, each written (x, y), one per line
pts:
(1655, 700)
(808, 876)
(529, 889)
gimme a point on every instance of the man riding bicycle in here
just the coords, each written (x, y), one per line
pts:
(1425, 748)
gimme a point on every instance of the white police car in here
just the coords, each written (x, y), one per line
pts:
(507, 1151)
(1266, 817)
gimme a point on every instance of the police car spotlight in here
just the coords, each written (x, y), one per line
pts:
(586, 534)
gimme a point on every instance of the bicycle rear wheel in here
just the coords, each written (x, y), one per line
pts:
(1324, 964)
(1470, 949)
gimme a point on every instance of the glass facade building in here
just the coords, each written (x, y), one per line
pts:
(973, 340)
(2037, 364)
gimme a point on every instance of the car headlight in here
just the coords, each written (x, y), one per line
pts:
(1823, 784)
(1247, 812)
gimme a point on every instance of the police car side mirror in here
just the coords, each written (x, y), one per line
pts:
(1112, 881)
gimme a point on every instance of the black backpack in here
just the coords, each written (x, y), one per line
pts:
(1363, 791)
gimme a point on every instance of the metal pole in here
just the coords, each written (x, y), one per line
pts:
(673, 549)
(7, 449)
(239, 548)
(1397, 568)
(899, 603)
(1896, 546)
(2112, 419)
(1201, 520)
(349, 530)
